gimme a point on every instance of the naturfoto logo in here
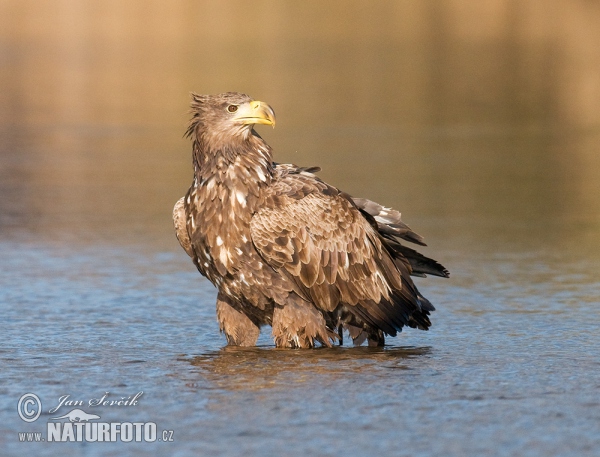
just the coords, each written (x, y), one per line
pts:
(80, 425)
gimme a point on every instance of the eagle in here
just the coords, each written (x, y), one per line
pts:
(286, 249)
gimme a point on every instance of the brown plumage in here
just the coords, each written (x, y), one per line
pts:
(286, 249)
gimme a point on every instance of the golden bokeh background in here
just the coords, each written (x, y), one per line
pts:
(479, 120)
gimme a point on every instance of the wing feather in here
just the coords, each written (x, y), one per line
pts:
(179, 221)
(332, 252)
(325, 245)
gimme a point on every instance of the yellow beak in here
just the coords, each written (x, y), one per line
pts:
(255, 112)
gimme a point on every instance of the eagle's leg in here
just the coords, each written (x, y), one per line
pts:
(376, 338)
(238, 328)
(298, 324)
(357, 334)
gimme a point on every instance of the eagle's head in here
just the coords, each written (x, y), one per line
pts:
(225, 118)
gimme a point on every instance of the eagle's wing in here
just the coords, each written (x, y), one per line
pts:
(179, 221)
(313, 234)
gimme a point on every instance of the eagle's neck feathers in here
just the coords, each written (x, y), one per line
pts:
(245, 160)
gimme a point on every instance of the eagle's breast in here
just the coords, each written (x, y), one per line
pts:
(220, 208)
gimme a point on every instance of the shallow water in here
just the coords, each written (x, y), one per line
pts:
(508, 368)
(502, 178)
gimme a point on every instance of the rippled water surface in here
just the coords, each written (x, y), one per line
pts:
(476, 125)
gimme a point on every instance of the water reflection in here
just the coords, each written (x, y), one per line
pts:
(234, 368)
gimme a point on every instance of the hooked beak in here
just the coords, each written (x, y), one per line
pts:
(255, 112)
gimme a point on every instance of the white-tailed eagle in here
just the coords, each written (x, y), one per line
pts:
(286, 249)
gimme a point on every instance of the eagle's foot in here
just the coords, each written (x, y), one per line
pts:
(374, 337)
(238, 328)
(300, 326)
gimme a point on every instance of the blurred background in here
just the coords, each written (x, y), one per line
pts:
(478, 120)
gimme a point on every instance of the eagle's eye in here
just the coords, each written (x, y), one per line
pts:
(232, 108)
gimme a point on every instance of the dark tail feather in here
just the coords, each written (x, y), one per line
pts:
(420, 264)
(387, 222)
